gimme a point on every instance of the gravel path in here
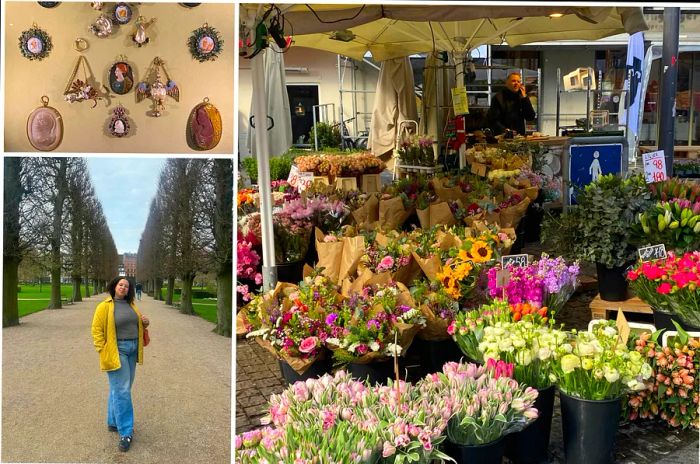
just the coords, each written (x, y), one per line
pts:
(54, 397)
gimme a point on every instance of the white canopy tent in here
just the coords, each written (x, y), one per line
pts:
(394, 31)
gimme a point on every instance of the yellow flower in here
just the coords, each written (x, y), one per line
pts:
(449, 282)
(463, 270)
(463, 255)
(480, 252)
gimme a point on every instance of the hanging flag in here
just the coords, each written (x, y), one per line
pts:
(633, 83)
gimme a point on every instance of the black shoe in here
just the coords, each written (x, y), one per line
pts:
(112, 428)
(124, 443)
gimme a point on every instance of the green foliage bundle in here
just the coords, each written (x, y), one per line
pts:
(599, 228)
(328, 136)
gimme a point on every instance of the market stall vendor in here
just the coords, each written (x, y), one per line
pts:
(510, 107)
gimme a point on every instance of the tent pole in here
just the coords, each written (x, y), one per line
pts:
(668, 90)
(263, 152)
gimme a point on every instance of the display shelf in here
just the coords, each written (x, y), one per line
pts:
(601, 309)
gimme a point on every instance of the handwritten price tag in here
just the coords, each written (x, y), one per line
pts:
(654, 166)
(514, 261)
(300, 180)
(652, 252)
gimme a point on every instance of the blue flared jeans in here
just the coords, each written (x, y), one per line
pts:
(120, 410)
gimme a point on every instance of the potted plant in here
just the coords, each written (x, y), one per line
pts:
(593, 373)
(599, 228)
(532, 348)
(671, 287)
(486, 406)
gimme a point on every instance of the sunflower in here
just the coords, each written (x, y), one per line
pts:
(463, 270)
(449, 282)
(463, 255)
(480, 252)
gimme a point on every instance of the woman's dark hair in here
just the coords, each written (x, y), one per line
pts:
(113, 285)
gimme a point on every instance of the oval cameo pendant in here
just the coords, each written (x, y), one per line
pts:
(204, 126)
(119, 124)
(45, 127)
(121, 78)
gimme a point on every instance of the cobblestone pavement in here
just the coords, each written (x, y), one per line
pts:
(258, 376)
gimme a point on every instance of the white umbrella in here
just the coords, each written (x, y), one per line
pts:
(394, 102)
(438, 80)
(280, 136)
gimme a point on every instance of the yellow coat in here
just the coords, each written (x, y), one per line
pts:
(104, 335)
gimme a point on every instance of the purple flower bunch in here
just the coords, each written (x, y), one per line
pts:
(525, 285)
(556, 274)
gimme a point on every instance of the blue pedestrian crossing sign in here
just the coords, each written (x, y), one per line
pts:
(588, 162)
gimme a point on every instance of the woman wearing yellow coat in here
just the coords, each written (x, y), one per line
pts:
(117, 332)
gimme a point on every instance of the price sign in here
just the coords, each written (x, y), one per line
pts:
(514, 260)
(654, 166)
(652, 252)
(460, 101)
(623, 328)
(305, 180)
(300, 180)
(502, 278)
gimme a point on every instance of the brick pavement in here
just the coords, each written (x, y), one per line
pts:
(258, 376)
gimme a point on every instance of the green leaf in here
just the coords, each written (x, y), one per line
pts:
(682, 334)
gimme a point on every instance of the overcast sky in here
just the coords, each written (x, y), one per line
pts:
(125, 187)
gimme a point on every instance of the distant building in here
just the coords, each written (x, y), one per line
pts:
(129, 264)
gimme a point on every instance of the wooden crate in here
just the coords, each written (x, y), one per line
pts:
(346, 183)
(371, 183)
(601, 308)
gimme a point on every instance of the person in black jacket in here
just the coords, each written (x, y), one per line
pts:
(510, 107)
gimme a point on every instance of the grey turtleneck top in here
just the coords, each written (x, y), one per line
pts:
(126, 320)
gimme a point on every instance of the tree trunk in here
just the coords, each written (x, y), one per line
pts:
(55, 288)
(10, 306)
(87, 288)
(224, 303)
(186, 297)
(170, 291)
(77, 281)
(12, 254)
(157, 289)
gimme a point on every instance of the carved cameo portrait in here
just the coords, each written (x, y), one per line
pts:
(204, 126)
(45, 128)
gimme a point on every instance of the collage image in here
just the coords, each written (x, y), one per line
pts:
(465, 232)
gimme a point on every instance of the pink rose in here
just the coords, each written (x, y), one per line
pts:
(308, 344)
(451, 328)
(385, 264)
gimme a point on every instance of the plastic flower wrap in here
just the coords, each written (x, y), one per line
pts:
(548, 282)
(530, 347)
(675, 223)
(486, 403)
(467, 329)
(670, 285)
(598, 366)
(673, 390)
(373, 325)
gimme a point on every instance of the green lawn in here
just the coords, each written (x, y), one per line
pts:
(31, 300)
(204, 307)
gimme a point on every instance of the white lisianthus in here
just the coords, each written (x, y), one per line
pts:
(544, 353)
(518, 342)
(523, 358)
(393, 349)
(610, 331)
(586, 349)
(587, 363)
(374, 346)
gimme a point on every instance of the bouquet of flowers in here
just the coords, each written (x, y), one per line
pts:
(409, 150)
(675, 223)
(467, 329)
(292, 320)
(671, 285)
(674, 387)
(487, 404)
(437, 306)
(245, 201)
(530, 347)
(383, 424)
(390, 253)
(364, 327)
(292, 237)
(247, 264)
(598, 366)
(459, 273)
(547, 282)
